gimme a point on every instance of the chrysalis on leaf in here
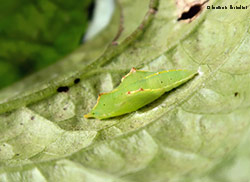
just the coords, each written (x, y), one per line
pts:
(137, 89)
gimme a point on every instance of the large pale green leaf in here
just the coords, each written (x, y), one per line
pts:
(189, 134)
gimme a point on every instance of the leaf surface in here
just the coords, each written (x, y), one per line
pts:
(187, 134)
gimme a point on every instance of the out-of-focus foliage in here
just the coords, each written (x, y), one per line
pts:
(35, 34)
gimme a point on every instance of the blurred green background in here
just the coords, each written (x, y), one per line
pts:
(35, 34)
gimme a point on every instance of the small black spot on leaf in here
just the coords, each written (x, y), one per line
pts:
(236, 94)
(77, 80)
(63, 89)
(32, 117)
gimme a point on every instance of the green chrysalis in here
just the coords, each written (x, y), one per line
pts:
(137, 89)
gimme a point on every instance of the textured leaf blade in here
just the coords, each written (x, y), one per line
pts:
(182, 136)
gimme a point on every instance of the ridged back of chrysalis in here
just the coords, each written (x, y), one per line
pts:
(137, 89)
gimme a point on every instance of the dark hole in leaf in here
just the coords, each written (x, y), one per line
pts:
(63, 89)
(194, 10)
(236, 94)
(77, 80)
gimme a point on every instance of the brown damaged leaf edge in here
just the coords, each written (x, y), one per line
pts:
(189, 11)
(111, 52)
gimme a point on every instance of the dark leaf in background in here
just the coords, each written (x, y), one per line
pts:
(35, 34)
